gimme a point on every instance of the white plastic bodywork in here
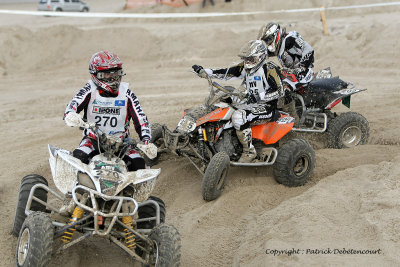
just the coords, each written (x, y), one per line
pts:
(64, 168)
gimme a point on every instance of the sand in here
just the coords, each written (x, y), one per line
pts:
(352, 200)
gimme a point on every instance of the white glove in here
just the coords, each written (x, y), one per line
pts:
(150, 150)
(202, 73)
(73, 119)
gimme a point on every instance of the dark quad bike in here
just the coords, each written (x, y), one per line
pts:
(206, 137)
(97, 199)
(314, 102)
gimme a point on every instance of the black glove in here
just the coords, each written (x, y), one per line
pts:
(227, 100)
(197, 68)
(251, 99)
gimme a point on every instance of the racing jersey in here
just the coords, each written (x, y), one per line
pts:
(295, 52)
(264, 86)
(111, 113)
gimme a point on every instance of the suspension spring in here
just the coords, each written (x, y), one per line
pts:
(201, 142)
(130, 239)
(69, 233)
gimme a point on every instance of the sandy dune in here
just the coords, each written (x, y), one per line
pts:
(352, 200)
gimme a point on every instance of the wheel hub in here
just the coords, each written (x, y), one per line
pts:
(351, 136)
(23, 246)
(301, 165)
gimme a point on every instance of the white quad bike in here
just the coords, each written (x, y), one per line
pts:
(99, 199)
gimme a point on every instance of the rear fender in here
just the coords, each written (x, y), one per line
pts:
(344, 95)
(142, 180)
(272, 132)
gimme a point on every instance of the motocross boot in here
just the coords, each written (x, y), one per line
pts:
(249, 152)
(291, 109)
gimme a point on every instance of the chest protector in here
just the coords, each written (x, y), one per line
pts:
(256, 83)
(109, 113)
(291, 57)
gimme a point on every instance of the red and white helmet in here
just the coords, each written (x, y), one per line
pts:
(106, 71)
(272, 34)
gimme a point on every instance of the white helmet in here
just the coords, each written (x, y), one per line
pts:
(253, 55)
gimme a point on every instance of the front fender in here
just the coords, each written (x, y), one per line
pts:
(64, 168)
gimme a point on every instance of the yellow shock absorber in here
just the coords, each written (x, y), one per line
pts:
(130, 240)
(76, 215)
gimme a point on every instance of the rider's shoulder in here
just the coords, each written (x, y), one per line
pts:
(293, 34)
(271, 65)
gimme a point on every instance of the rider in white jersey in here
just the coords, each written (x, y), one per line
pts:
(293, 52)
(296, 57)
(263, 86)
(111, 104)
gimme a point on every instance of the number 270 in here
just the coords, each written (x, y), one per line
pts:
(105, 119)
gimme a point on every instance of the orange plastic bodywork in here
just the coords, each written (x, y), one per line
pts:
(216, 115)
(271, 132)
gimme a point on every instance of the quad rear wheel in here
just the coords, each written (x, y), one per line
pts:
(349, 129)
(26, 185)
(295, 163)
(150, 211)
(215, 176)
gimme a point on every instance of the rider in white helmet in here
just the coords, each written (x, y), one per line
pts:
(293, 52)
(111, 104)
(263, 85)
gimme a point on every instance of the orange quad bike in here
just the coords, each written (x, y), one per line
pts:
(206, 137)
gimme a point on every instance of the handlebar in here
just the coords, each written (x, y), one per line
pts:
(217, 87)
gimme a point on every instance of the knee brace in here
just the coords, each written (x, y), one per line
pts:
(134, 164)
(82, 156)
(238, 118)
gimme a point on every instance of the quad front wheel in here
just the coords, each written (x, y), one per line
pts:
(215, 176)
(156, 132)
(349, 129)
(35, 241)
(167, 244)
(295, 163)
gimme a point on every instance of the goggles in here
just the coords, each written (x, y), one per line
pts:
(250, 60)
(110, 75)
(270, 35)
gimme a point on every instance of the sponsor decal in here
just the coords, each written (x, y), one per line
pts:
(347, 91)
(106, 110)
(285, 120)
(257, 78)
(103, 103)
(252, 84)
(119, 103)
